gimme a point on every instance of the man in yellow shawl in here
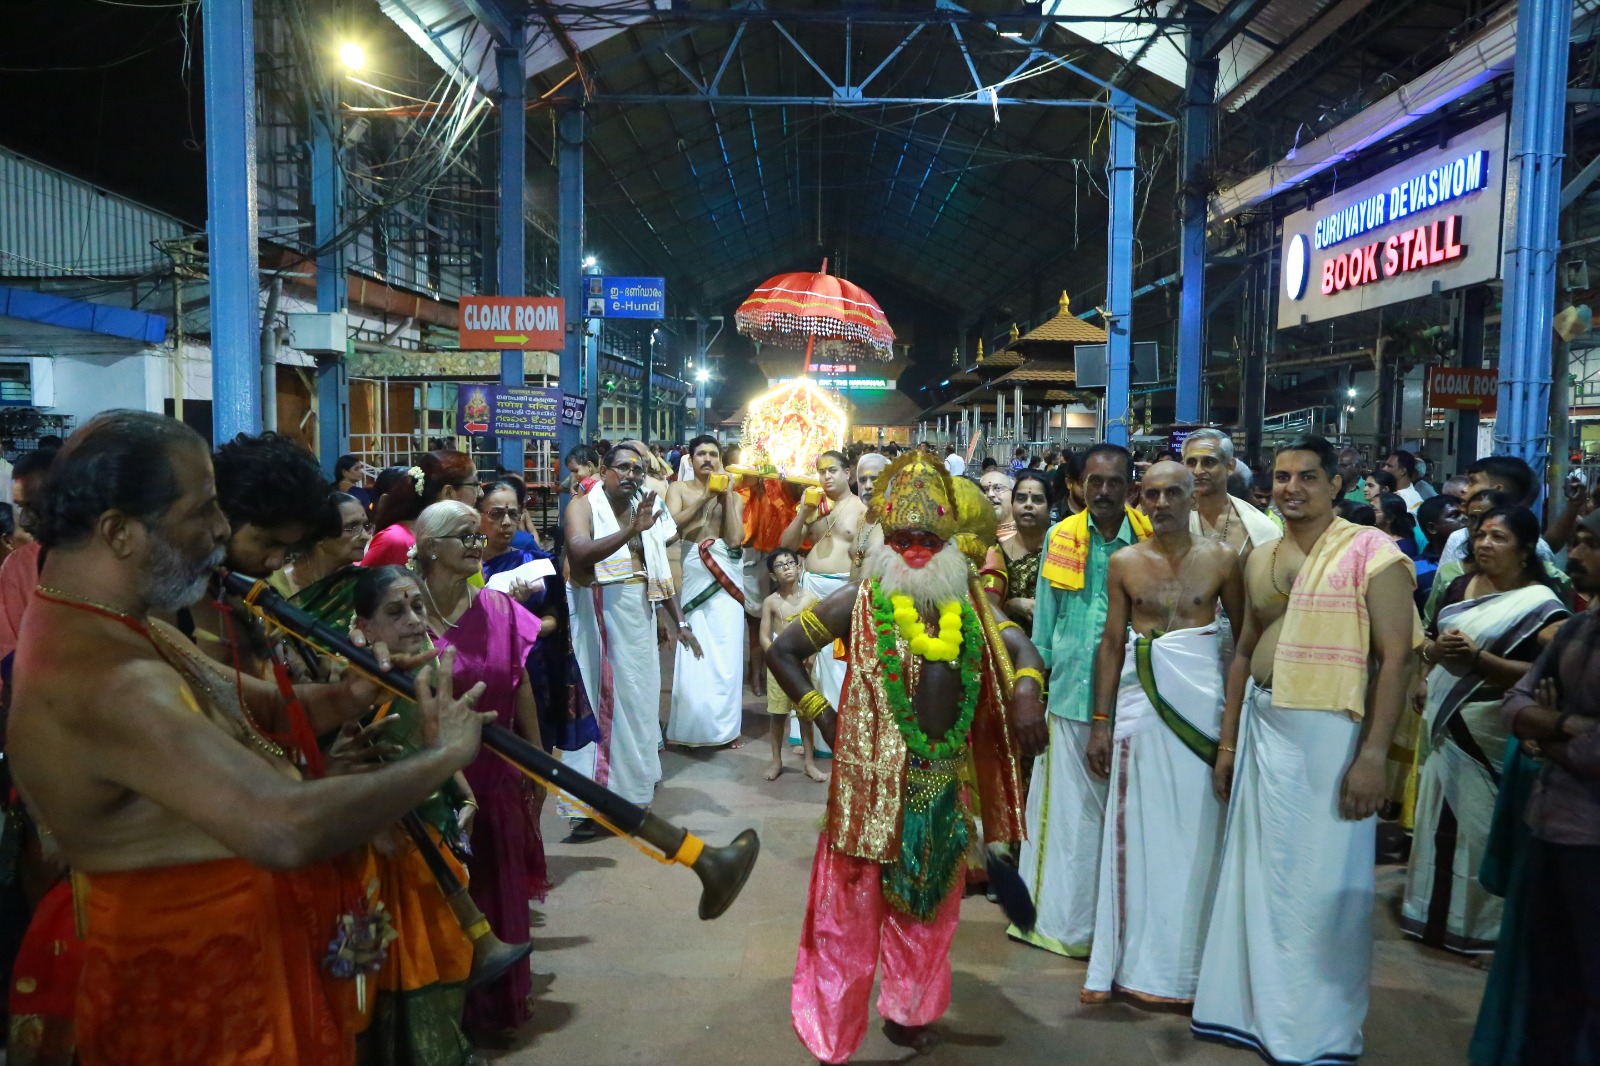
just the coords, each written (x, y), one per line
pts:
(924, 689)
(1066, 802)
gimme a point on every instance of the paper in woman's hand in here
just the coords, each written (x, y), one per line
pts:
(530, 573)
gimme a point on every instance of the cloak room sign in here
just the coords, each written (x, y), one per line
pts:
(506, 323)
(1433, 221)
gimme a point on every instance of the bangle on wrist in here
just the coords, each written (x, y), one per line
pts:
(1229, 748)
(1100, 718)
(1475, 657)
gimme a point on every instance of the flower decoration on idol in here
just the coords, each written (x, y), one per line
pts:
(786, 429)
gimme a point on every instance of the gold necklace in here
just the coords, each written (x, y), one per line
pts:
(426, 591)
(1272, 571)
(68, 599)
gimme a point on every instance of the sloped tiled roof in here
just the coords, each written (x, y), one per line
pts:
(1065, 328)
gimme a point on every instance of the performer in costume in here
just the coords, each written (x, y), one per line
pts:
(708, 680)
(1163, 826)
(1067, 803)
(923, 687)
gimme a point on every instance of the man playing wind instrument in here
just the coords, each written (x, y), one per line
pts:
(924, 690)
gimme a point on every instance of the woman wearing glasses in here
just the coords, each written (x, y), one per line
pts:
(493, 635)
(564, 722)
(333, 552)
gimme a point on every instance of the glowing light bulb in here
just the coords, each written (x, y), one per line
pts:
(353, 56)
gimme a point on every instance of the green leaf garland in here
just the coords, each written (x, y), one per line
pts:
(917, 742)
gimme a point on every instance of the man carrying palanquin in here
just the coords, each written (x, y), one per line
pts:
(924, 690)
(1158, 714)
(169, 802)
(708, 682)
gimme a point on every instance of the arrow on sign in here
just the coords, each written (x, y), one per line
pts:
(511, 340)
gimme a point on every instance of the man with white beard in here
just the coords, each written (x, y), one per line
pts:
(923, 695)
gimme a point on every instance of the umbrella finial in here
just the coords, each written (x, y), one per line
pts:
(1016, 334)
(1066, 303)
(980, 351)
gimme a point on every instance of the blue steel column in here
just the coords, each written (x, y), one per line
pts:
(1199, 105)
(511, 269)
(1538, 108)
(228, 40)
(333, 382)
(569, 131)
(1119, 269)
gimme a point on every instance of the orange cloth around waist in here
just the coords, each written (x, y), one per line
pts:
(431, 949)
(212, 964)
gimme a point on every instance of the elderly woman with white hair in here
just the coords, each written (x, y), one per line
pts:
(492, 635)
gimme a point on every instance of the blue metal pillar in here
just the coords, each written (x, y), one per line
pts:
(327, 193)
(569, 132)
(511, 268)
(1538, 109)
(1199, 108)
(1119, 269)
(228, 40)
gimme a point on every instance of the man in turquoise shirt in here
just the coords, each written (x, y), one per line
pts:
(1066, 803)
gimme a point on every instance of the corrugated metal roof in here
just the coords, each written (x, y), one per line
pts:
(55, 225)
(1160, 49)
(452, 38)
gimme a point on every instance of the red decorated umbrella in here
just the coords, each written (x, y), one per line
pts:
(831, 318)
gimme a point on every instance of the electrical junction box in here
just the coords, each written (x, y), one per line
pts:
(318, 331)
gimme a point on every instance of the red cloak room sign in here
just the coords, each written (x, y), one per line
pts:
(504, 323)
(1452, 389)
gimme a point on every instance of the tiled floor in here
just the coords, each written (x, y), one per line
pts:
(635, 977)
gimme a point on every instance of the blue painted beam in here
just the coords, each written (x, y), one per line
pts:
(1119, 268)
(1198, 117)
(1228, 24)
(512, 264)
(82, 315)
(569, 136)
(327, 191)
(228, 40)
(1538, 110)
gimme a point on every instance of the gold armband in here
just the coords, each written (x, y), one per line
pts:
(1001, 627)
(1028, 671)
(817, 633)
(812, 705)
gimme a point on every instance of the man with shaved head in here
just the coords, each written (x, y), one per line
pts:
(1157, 721)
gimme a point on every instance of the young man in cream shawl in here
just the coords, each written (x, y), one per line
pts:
(1300, 763)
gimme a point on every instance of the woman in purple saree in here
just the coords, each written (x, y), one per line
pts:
(493, 636)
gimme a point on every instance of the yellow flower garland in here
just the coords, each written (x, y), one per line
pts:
(942, 648)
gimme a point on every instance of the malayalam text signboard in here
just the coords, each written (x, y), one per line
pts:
(1453, 389)
(524, 411)
(635, 297)
(505, 323)
(1433, 221)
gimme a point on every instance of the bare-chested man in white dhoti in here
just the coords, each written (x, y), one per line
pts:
(1157, 719)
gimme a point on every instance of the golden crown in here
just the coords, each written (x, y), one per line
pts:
(917, 493)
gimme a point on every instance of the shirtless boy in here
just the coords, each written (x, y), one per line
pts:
(778, 610)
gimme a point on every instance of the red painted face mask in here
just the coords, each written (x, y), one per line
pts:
(916, 547)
